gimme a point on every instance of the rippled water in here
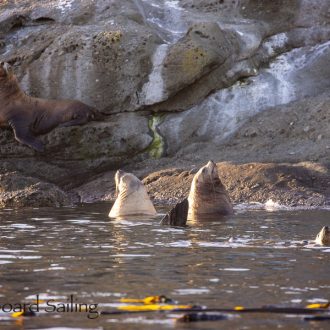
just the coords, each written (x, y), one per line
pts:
(251, 259)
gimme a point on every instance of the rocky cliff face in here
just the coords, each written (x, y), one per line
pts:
(177, 79)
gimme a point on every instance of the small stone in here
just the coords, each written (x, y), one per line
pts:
(250, 132)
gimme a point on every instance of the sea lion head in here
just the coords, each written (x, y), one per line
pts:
(132, 197)
(8, 82)
(208, 198)
(207, 176)
(6, 70)
(323, 237)
(126, 183)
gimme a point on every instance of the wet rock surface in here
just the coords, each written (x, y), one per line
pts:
(17, 190)
(187, 81)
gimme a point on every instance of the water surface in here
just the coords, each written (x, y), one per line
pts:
(251, 259)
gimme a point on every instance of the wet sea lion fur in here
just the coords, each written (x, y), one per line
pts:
(208, 197)
(132, 197)
(30, 116)
(323, 237)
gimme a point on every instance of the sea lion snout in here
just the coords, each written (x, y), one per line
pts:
(209, 170)
(120, 174)
(324, 230)
(211, 163)
(3, 71)
(6, 68)
(323, 237)
(96, 115)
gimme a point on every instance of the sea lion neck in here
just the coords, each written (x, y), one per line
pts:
(9, 88)
(208, 185)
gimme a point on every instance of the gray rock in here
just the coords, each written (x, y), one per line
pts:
(290, 77)
(17, 190)
(204, 48)
(82, 149)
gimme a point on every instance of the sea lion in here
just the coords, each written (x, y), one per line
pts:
(30, 116)
(208, 198)
(132, 197)
(323, 237)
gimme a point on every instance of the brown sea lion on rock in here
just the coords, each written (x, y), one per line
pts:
(30, 116)
(323, 237)
(132, 197)
(208, 198)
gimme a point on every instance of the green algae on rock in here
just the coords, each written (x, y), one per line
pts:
(156, 148)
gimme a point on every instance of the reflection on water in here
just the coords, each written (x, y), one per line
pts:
(253, 258)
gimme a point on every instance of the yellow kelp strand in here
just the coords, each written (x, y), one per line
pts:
(147, 300)
(17, 314)
(326, 305)
(155, 307)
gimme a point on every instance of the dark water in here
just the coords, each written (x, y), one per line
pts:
(251, 259)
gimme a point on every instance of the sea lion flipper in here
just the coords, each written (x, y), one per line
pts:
(23, 135)
(178, 215)
(80, 120)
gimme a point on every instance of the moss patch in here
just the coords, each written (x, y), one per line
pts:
(194, 59)
(156, 147)
(108, 37)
